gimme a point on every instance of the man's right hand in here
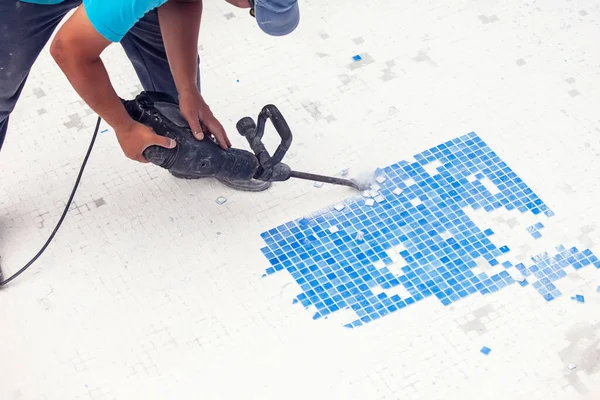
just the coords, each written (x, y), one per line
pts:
(136, 137)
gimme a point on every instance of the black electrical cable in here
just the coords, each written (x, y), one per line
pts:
(4, 282)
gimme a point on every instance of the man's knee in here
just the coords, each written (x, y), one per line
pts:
(8, 98)
(13, 75)
(6, 107)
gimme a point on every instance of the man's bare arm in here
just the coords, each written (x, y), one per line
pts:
(180, 28)
(76, 49)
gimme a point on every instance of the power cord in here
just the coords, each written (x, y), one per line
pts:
(4, 282)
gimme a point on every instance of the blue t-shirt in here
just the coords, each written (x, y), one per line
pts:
(112, 18)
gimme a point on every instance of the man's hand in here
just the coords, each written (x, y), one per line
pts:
(136, 138)
(197, 113)
(180, 26)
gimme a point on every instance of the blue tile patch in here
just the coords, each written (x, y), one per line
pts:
(418, 224)
(534, 230)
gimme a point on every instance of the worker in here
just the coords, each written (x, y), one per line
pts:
(160, 38)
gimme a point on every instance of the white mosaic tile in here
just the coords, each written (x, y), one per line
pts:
(153, 290)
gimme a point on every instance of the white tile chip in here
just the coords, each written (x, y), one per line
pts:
(339, 206)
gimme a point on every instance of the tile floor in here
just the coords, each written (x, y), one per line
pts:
(468, 270)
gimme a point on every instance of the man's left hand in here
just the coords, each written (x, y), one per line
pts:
(197, 113)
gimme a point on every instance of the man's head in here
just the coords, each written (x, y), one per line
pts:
(277, 17)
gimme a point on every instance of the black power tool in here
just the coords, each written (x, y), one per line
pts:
(193, 158)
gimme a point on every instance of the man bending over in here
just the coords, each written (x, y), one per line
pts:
(160, 38)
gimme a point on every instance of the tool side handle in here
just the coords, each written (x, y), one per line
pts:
(254, 133)
(279, 123)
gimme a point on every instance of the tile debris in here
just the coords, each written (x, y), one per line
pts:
(369, 202)
(376, 187)
(397, 191)
(318, 184)
(357, 58)
(339, 206)
(485, 350)
(578, 298)
(220, 200)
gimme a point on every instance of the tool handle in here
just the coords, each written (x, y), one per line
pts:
(254, 133)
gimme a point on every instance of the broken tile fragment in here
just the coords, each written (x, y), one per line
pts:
(397, 191)
(369, 202)
(366, 193)
(220, 200)
(578, 298)
(339, 206)
(571, 366)
(357, 58)
(379, 198)
(360, 235)
(318, 184)
(485, 350)
(344, 172)
(518, 277)
(380, 179)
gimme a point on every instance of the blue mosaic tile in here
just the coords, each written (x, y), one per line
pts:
(419, 219)
(534, 230)
(579, 298)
